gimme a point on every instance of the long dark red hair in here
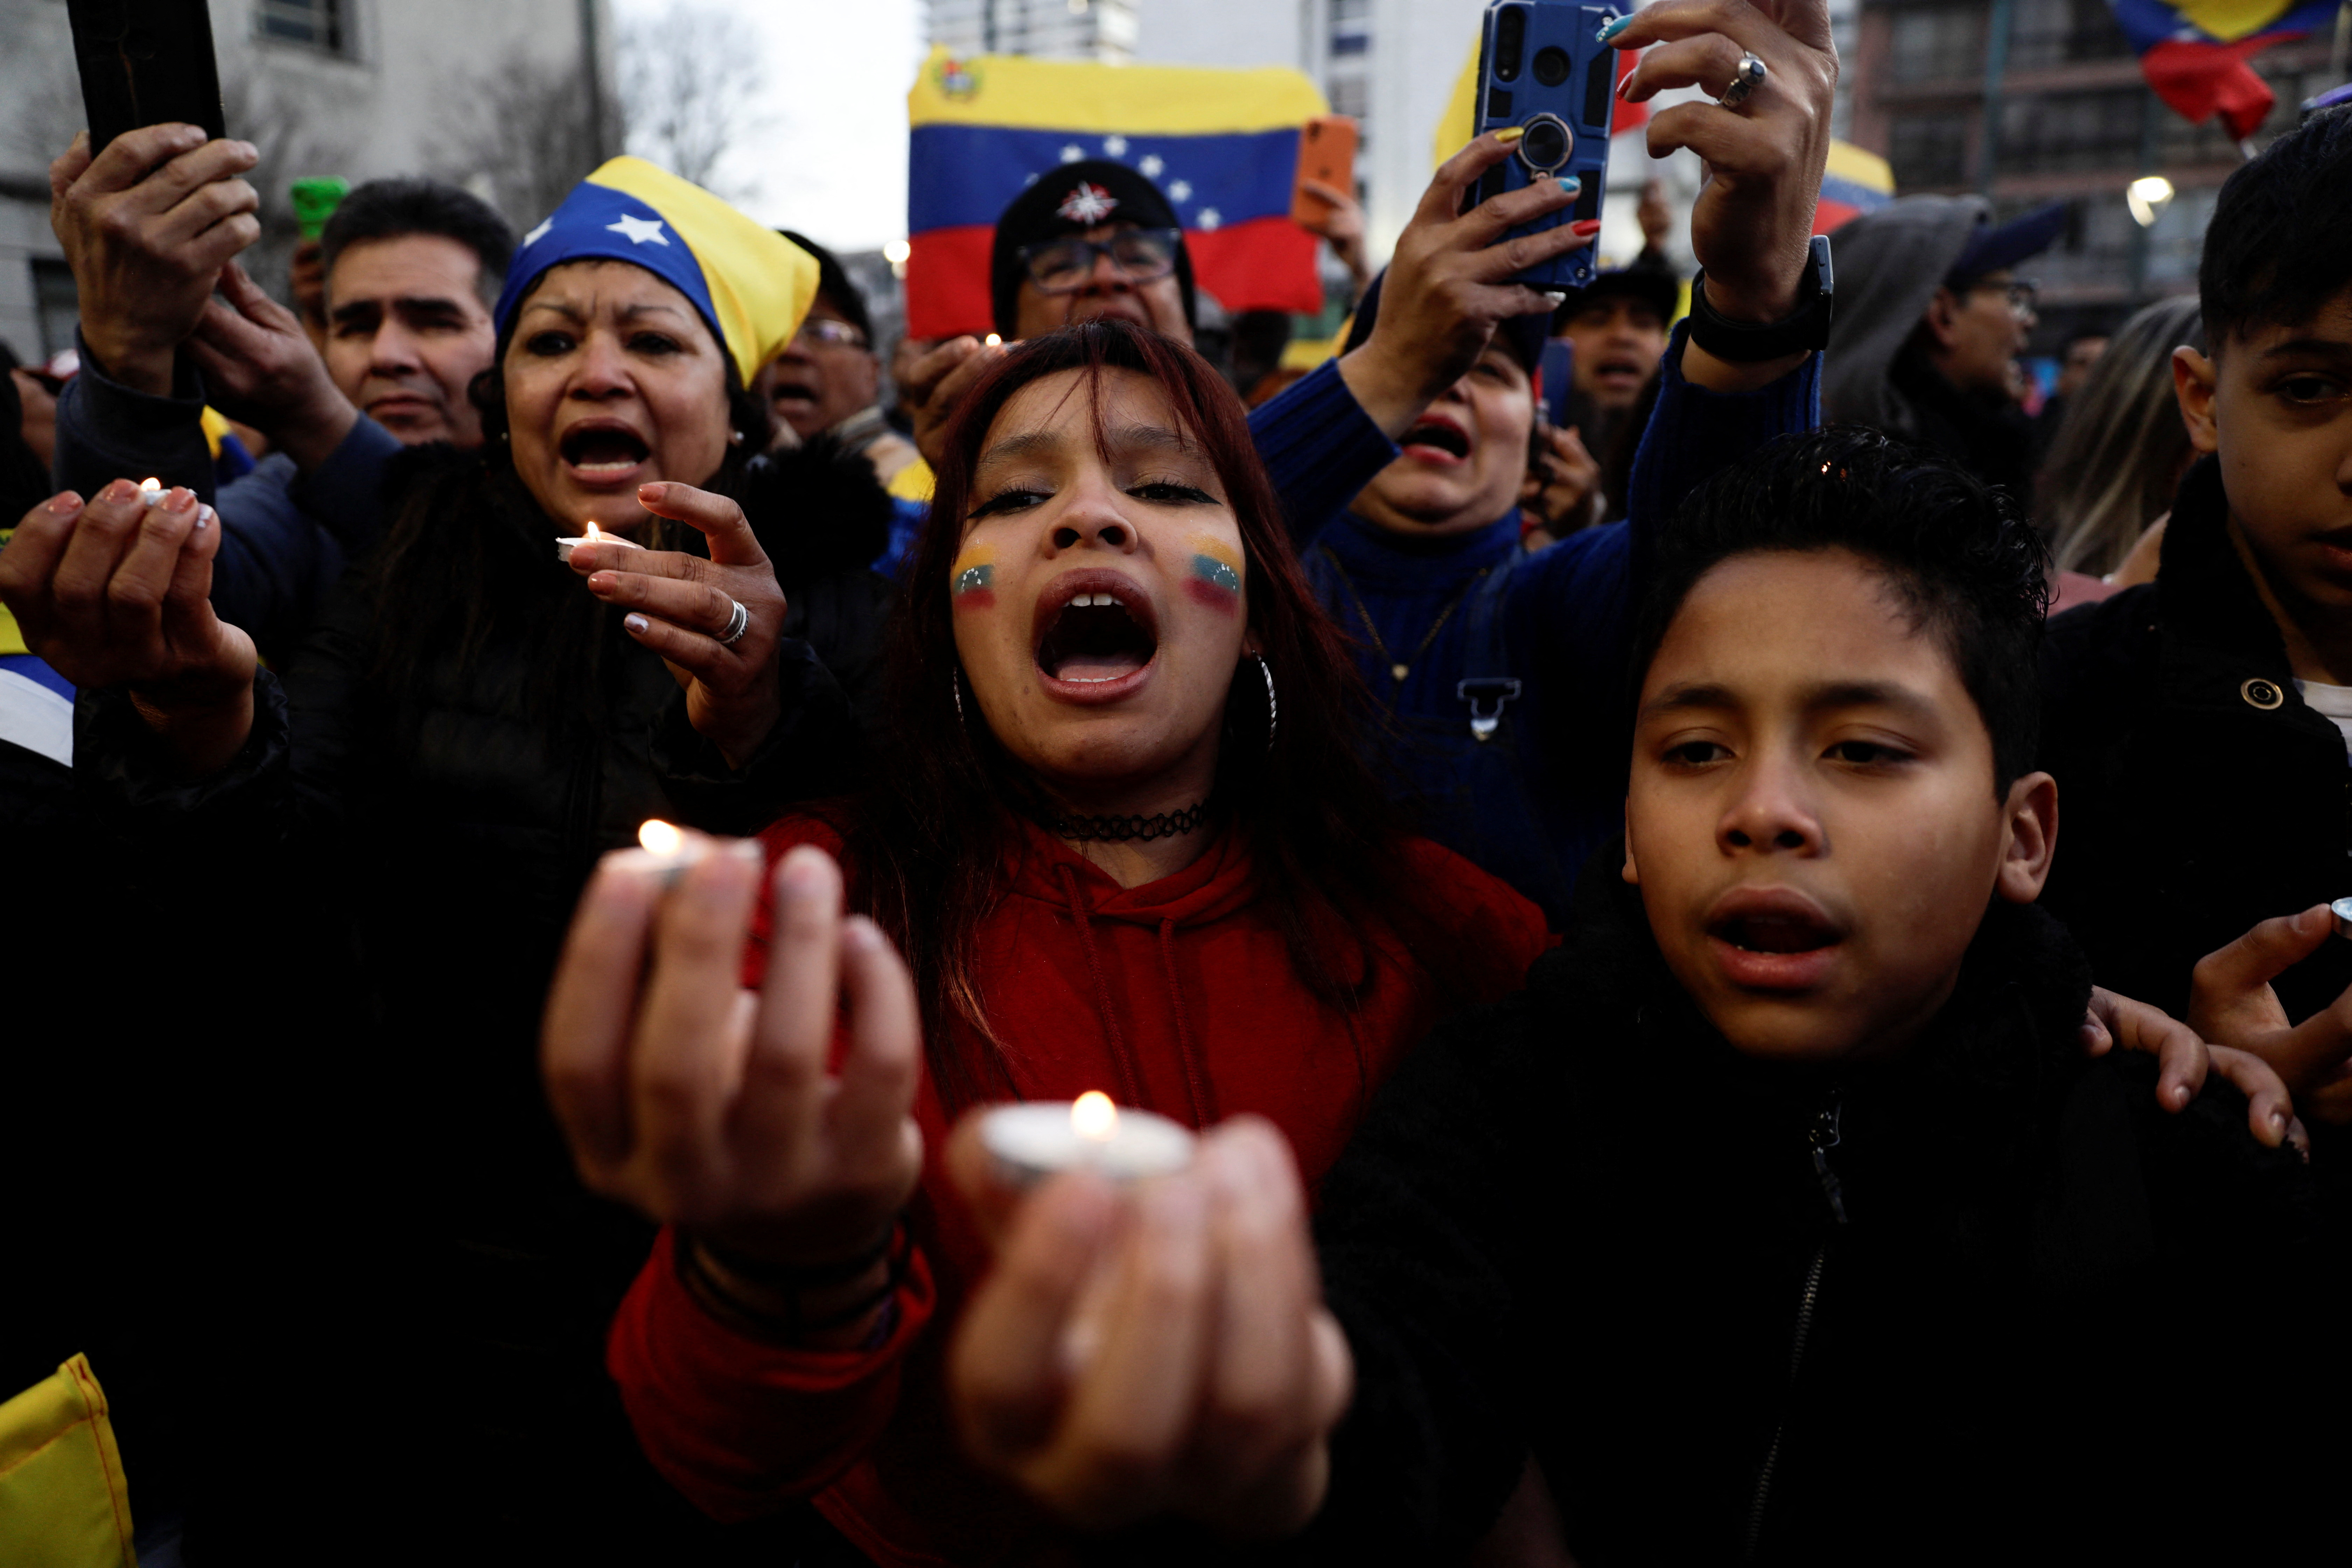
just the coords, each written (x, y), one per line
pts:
(930, 842)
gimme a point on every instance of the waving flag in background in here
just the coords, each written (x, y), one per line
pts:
(1222, 145)
(1854, 182)
(2194, 52)
(1461, 117)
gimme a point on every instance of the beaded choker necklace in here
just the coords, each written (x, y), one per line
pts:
(1121, 830)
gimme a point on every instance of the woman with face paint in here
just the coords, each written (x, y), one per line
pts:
(1127, 844)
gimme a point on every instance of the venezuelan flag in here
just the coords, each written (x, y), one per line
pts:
(2194, 52)
(1854, 182)
(1222, 145)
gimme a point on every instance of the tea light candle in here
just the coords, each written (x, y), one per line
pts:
(566, 543)
(666, 849)
(2342, 910)
(1040, 1138)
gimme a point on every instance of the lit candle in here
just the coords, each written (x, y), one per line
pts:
(1038, 1139)
(566, 543)
(151, 490)
(2342, 910)
(993, 340)
(667, 849)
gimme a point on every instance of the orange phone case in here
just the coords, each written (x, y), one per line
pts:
(1327, 152)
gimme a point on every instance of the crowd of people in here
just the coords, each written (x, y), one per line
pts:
(1589, 869)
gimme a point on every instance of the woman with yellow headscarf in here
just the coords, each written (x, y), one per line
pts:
(383, 844)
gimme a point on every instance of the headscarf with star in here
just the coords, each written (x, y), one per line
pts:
(752, 285)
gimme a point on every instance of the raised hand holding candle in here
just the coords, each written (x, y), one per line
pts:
(1038, 1139)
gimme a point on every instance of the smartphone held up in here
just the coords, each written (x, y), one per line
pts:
(145, 62)
(1543, 69)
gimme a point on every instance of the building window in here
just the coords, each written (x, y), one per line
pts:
(2064, 32)
(1351, 27)
(1929, 150)
(322, 23)
(1350, 95)
(2056, 132)
(1936, 43)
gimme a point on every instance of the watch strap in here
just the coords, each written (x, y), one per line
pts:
(1748, 343)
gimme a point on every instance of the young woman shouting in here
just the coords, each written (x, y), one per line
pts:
(1128, 844)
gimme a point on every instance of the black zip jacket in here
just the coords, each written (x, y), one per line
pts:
(2197, 794)
(1953, 1306)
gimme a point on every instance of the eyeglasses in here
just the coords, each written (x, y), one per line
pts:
(2023, 293)
(1138, 255)
(835, 335)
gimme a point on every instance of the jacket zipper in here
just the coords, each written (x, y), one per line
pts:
(1823, 1136)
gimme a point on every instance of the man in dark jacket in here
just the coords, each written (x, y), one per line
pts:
(2198, 723)
(1931, 317)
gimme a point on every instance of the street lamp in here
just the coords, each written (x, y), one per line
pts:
(2147, 196)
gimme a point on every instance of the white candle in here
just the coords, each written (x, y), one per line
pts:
(566, 543)
(151, 490)
(2342, 910)
(667, 850)
(1040, 1138)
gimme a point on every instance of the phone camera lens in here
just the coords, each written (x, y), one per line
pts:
(1552, 66)
(1546, 145)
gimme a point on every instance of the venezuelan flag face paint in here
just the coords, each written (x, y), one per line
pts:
(969, 579)
(1217, 579)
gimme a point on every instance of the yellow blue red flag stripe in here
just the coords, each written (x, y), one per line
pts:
(1222, 145)
(2194, 53)
(1854, 182)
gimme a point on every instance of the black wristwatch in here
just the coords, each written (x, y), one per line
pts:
(1745, 342)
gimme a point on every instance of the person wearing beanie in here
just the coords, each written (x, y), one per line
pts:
(1931, 317)
(1090, 239)
(826, 384)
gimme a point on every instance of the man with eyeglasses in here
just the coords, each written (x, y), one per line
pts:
(1931, 318)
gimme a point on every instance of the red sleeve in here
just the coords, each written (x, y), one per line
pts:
(740, 1425)
(1499, 931)
(777, 840)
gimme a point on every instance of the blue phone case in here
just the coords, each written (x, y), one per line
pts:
(1543, 67)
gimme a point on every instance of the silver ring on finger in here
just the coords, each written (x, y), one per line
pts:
(1744, 82)
(736, 624)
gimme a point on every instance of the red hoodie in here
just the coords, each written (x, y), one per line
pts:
(1177, 996)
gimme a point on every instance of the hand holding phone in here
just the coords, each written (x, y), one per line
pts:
(1545, 75)
(1326, 157)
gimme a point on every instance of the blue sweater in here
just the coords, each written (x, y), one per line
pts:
(284, 535)
(1510, 735)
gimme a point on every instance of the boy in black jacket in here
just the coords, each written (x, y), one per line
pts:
(1783, 1217)
(2198, 724)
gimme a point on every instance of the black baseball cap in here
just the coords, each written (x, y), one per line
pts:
(1071, 198)
(1996, 245)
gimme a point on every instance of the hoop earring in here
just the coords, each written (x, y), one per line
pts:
(1273, 708)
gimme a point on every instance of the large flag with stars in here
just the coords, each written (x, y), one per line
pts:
(2193, 52)
(1222, 145)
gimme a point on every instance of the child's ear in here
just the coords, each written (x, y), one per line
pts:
(2031, 809)
(2193, 376)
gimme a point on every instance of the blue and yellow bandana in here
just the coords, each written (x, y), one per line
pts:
(751, 283)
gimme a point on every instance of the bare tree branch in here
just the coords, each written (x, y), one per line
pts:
(690, 80)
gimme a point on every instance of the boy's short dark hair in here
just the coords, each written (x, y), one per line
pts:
(833, 282)
(2279, 245)
(393, 209)
(1968, 565)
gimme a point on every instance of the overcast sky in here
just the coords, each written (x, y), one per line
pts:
(831, 160)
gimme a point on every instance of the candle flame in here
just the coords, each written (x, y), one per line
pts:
(660, 837)
(993, 340)
(1093, 1116)
(592, 536)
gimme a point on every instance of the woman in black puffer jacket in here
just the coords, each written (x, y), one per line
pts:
(393, 836)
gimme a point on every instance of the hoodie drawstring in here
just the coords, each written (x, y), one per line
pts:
(1131, 1087)
(1204, 1107)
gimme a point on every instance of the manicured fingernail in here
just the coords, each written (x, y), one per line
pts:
(177, 500)
(1609, 30)
(119, 490)
(652, 492)
(635, 623)
(205, 515)
(1585, 229)
(1510, 133)
(1625, 84)
(65, 505)
(2278, 1122)
(1573, 185)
